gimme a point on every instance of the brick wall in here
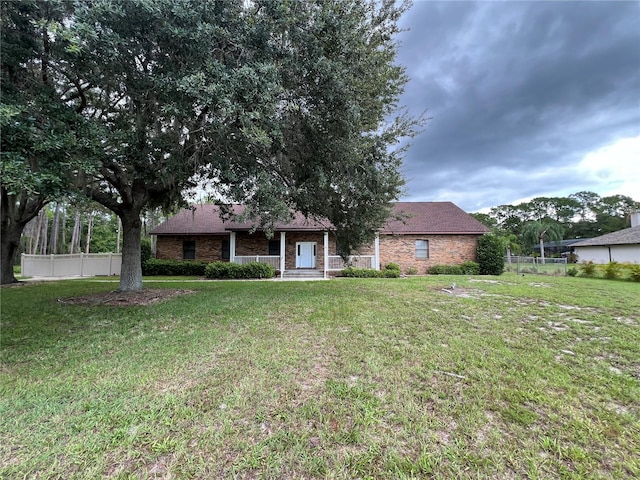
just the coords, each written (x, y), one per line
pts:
(443, 250)
(401, 249)
(253, 244)
(208, 247)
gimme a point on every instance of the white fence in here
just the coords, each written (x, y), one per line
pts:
(75, 265)
(364, 261)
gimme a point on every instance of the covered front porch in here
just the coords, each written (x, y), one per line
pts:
(297, 251)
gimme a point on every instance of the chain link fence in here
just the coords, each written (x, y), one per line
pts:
(535, 265)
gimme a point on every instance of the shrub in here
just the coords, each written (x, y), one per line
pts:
(234, 270)
(222, 270)
(145, 254)
(412, 271)
(634, 275)
(154, 266)
(360, 272)
(467, 268)
(588, 269)
(490, 255)
(612, 270)
(572, 272)
(444, 270)
(470, 268)
(145, 250)
(391, 271)
(257, 270)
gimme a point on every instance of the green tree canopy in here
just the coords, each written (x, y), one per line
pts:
(42, 138)
(539, 231)
(278, 105)
(581, 215)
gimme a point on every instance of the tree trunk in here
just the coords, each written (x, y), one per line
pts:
(55, 229)
(9, 247)
(542, 251)
(151, 224)
(15, 213)
(30, 232)
(131, 272)
(75, 236)
(45, 233)
(36, 243)
(89, 226)
(64, 231)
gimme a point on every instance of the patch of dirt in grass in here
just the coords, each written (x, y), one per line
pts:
(146, 296)
(118, 466)
(312, 381)
(159, 467)
(627, 321)
(444, 434)
(460, 291)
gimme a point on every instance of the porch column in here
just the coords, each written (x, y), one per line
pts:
(283, 251)
(232, 247)
(377, 252)
(326, 253)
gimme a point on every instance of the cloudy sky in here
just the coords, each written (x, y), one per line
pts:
(526, 99)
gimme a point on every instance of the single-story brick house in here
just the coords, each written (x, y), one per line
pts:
(429, 233)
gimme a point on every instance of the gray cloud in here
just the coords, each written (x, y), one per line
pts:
(516, 90)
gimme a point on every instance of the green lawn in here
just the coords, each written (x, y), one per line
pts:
(505, 377)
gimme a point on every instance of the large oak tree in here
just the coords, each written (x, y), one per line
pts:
(278, 105)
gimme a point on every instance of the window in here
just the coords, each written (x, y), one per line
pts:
(422, 248)
(225, 254)
(274, 247)
(189, 250)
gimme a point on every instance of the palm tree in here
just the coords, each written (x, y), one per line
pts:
(542, 230)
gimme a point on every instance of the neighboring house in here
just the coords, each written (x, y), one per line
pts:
(429, 233)
(622, 246)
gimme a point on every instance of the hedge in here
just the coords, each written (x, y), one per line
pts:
(234, 270)
(391, 271)
(467, 268)
(490, 255)
(154, 266)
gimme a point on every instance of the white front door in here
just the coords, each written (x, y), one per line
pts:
(306, 255)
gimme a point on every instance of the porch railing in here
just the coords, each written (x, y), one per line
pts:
(358, 261)
(273, 260)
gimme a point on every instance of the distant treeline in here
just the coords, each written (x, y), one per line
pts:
(77, 227)
(580, 215)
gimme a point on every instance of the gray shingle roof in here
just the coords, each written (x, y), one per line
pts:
(628, 236)
(418, 218)
(432, 218)
(205, 220)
